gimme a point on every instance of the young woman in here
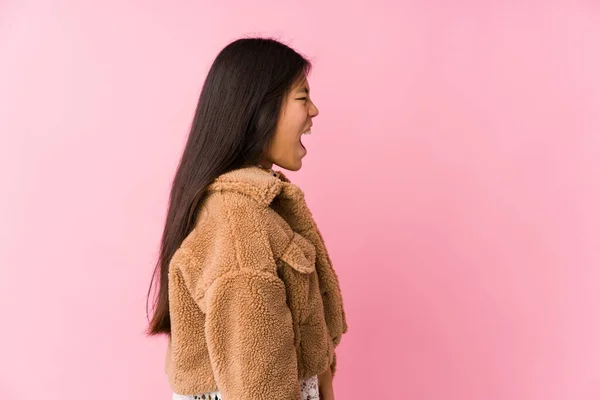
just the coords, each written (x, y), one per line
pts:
(245, 288)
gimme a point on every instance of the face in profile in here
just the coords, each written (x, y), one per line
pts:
(295, 120)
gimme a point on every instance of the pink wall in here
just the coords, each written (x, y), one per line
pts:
(454, 169)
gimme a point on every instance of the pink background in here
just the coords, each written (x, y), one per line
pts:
(454, 171)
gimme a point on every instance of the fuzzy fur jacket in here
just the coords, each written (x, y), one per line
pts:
(255, 304)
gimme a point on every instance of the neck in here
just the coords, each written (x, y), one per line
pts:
(265, 164)
(268, 169)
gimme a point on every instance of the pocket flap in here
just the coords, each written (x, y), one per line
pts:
(300, 254)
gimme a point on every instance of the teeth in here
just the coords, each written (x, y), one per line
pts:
(307, 133)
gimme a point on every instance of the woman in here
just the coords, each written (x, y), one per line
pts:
(246, 291)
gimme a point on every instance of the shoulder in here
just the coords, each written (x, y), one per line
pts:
(236, 226)
(232, 232)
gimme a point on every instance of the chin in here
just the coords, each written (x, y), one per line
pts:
(291, 166)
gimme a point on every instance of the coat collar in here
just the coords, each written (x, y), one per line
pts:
(260, 184)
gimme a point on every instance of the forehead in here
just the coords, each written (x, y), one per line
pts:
(301, 86)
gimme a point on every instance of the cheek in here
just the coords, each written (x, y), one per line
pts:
(285, 139)
(292, 128)
(290, 137)
(298, 123)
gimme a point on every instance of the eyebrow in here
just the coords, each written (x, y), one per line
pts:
(303, 89)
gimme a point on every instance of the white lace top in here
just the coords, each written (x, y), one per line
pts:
(309, 388)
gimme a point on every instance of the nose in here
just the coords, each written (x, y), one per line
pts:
(313, 111)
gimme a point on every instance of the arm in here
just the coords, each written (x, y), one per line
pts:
(250, 337)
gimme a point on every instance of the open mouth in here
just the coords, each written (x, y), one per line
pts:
(308, 132)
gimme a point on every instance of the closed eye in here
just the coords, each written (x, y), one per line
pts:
(302, 98)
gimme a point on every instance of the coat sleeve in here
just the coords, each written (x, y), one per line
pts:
(250, 337)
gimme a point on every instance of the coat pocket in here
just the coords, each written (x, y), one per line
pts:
(300, 254)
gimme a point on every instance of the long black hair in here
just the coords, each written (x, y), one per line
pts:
(235, 119)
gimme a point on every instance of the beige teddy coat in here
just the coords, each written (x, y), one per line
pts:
(254, 301)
